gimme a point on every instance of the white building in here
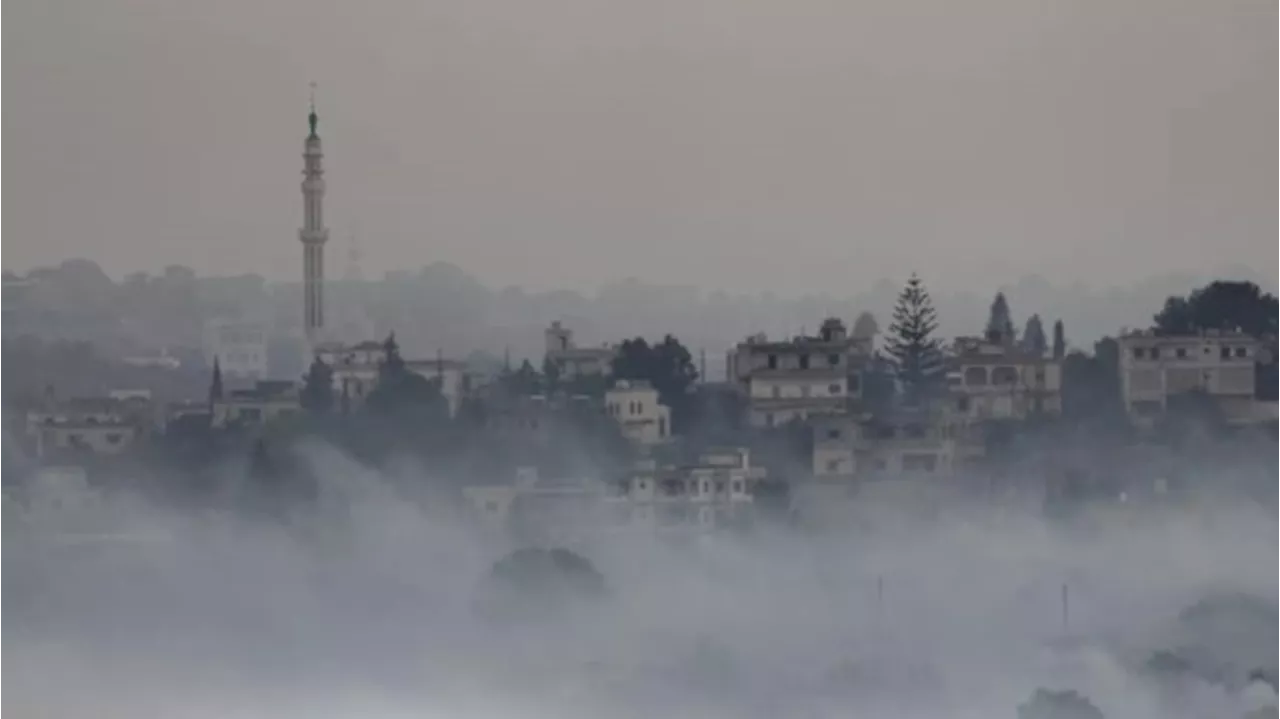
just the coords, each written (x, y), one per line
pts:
(993, 381)
(267, 401)
(574, 361)
(355, 372)
(95, 425)
(240, 346)
(801, 378)
(635, 407)
(1154, 368)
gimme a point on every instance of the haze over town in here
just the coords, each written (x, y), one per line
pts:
(712, 359)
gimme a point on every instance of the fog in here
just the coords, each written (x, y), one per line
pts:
(361, 605)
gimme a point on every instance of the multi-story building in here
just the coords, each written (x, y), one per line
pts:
(266, 401)
(573, 361)
(991, 381)
(355, 371)
(240, 347)
(94, 425)
(714, 492)
(907, 442)
(635, 406)
(1221, 366)
(800, 378)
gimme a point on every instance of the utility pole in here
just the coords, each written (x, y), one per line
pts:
(1066, 610)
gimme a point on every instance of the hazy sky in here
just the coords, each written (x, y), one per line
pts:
(798, 144)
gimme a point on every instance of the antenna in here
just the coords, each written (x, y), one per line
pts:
(312, 95)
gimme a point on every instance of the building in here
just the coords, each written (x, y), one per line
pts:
(313, 234)
(355, 372)
(93, 425)
(634, 405)
(240, 346)
(714, 492)
(801, 378)
(1155, 368)
(919, 442)
(993, 381)
(266, 401)
(573, 361)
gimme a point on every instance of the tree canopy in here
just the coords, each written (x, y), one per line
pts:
(1220, 305)
(667, 366)
(1000, 322)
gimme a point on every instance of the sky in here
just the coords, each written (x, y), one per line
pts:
(807, 145)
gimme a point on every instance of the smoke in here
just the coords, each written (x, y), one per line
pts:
(361, 604)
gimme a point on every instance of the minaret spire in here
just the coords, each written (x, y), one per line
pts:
(313, 233)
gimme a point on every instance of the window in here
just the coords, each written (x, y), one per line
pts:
(776, 391)
(719, 486)
(643, 485)
(805, 390)
(1004, 376)
(1242, 352)
(773, 361)
(1155, 353)
(833, 433)
(737, 486)
(706, 487)
(833, 388)
(1181, 352)
(1139, 352)
(833, 466)
(1226, 353)
(833, 360)
(662, 427)
(639, 407)
(1039, 376)
(975, 376)
(804, 361)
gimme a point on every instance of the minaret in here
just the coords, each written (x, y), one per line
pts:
(313, 233)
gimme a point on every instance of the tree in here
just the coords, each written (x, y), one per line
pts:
(666, 366)
(524, 382)
(215, 383)
(550, 374)
(1000, 322)
(1221, 305)
(317, 388)
(865, 327)
(916, 355)
(1091, 388)
(405, 395)
(1033, 339)
(1059, 341)
(1047, 704)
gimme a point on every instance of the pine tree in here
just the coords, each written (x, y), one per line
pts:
(215, 383)
(916, 355)
(1000, 322)
(317, 388)
(1059, 341)
(1033, 339)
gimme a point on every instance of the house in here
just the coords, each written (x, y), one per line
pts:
(240, 347)
(801, 378)
(96, 425)
(266, 401)
(920, 442)
(634, 405)
(356, 370)
(573, 361)
(1218, 365)
(994, 381)
(716, 490)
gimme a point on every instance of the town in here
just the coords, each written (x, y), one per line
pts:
(814, 429)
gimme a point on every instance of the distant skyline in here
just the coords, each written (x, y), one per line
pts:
(743, 145)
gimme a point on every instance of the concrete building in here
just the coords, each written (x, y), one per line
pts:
(634, 405)
(240, 347)
(800, 378)
(1221, 366)
(927, 442)
(573, 361)
(266, 401)
(93, 425)
(355, 371)
(990, 381)
(712, 493)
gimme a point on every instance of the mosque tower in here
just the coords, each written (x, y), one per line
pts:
(313, 233)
